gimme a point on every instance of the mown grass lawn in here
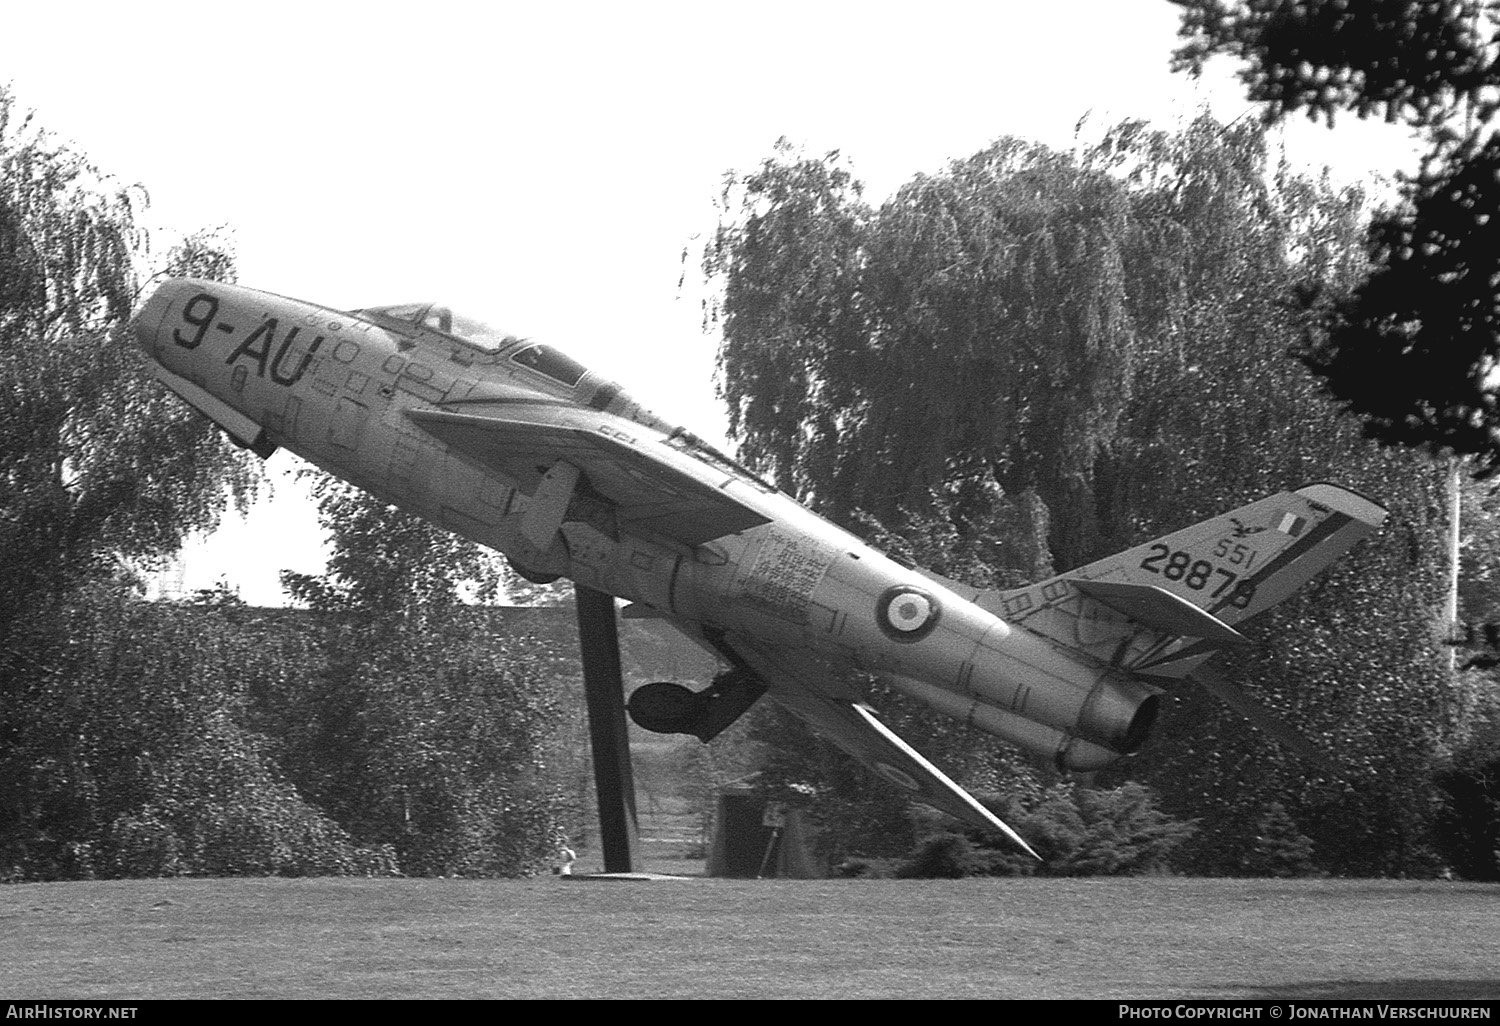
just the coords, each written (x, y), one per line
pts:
(555, 938)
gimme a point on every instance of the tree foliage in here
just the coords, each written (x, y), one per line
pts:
(1415, 61)
(1077, 832)
(186, 739)
(422, 730)
(877, 333)
(979, 338)
(1468, 824)
(384, 563)
(100, 469)
(1413, 349)
(98, 463)
(1093, 832)
(138, 754)
(1035, 359)
(1280, 849)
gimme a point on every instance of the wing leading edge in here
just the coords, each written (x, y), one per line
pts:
(652, 487)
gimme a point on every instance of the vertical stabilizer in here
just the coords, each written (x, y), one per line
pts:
(1166, 605)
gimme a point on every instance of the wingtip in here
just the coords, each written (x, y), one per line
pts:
(1347, 501)
(1005, 829)
(950, 798)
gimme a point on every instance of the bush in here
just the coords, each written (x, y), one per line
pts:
(1467, 830)
(221, 809)
(144, 846)
(1085, 832)
(161, 740)
(942, 857)
(1280, 849)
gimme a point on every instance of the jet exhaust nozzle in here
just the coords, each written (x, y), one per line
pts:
(1119, 715)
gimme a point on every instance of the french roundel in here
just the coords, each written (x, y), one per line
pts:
(907, 614)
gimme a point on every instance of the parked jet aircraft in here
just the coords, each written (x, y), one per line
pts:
(513, 444)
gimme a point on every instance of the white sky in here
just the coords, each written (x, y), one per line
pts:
(542, 166)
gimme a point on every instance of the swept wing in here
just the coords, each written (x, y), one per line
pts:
(653, 487)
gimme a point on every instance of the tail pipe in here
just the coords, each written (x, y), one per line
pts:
(1119, 715)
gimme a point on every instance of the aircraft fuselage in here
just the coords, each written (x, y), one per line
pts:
(392, 406)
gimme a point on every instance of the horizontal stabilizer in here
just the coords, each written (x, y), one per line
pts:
(1160, 610)
(1346, 501)
(1163, 607)
(1220, 687)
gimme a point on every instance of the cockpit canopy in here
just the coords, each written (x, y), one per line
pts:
(475, 333)
(435, 317)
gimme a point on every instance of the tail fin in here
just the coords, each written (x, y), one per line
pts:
(1165, 606)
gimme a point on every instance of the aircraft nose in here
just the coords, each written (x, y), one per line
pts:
(146, 324)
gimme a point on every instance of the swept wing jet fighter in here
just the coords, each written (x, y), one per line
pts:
(514, 445)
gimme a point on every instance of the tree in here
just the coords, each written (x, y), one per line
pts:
(385, 563)
(1280, 849)
(1418, 61)
(1091, 832)
(1413, 349)
(140, 754)
(861, 358)
(423, 730)
(1036, 359)
(1077, 832)
(98, 463)
(100, 469)
(1468, 827)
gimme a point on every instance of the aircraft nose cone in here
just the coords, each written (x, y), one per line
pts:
(149, 318)
(146, 324)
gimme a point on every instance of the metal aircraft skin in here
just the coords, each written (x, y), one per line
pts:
(516, 446)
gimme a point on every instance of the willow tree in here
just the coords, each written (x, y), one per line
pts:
(98, 464)
(100, 471)
(989, 327)
(1083, 349)
(791, 269)
(975, 328)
